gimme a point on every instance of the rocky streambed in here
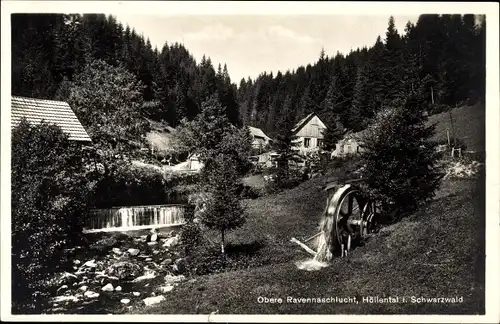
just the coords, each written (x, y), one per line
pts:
(116, 273)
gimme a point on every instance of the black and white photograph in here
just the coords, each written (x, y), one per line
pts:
(214, 161)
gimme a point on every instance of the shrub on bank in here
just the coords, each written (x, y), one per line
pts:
(402, 168)
(50, 197)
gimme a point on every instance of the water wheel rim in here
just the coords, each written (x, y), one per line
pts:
(341, 218)
(366, 215)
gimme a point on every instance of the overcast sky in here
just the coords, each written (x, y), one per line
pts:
(257, 36)
(252, 44)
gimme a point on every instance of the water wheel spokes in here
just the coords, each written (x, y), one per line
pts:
(348, 219)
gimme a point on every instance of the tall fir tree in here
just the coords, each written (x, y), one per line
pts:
(285, 141)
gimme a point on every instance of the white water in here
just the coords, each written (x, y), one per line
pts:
(136, 217)
(324, 242)
(320, 260)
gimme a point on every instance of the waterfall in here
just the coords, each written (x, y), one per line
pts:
(136, 217)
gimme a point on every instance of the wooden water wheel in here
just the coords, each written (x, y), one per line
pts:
(348, 219)
(353, 218)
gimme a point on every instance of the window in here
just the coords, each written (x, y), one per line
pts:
(307, 142)
(320, 142)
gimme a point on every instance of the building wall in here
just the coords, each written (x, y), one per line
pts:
(313, 131)
(346, 147)
(195, 164)
(314, 128)
(259, 142)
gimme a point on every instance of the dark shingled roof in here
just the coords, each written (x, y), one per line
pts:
(53, 112)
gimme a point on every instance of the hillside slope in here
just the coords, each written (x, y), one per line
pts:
(437, 252)
(469, 125)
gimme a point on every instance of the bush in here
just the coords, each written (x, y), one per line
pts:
(191, 234)
(248, 192)
(401, 161)
(50, 198)
(293, 178)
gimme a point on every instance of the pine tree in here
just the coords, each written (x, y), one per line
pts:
(363, 104)
(392, 63)
(285, 142)
(306, 104)
(224, 150)
(452, 73)
(33, 73)
(320, 80)
(333, 133)
(401, 160)
(335, 101)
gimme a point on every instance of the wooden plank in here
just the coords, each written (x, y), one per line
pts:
(305, 247)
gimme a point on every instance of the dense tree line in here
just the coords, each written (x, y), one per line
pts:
(440, 59)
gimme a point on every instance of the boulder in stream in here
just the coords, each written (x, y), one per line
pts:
(91, 294)
(108, 287)
(90, 264)
(166, 288)
(153, 300)
(133, 252)
(60, 299)
(170, 279)
(171, 242)
(147, 275)
(63, 288)
(124, 270)
(104, 244)
(152, 236)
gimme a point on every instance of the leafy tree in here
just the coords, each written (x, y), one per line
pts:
(50, 197)
(224, 151)
(401, 160)
(108, 101)
(223, 209)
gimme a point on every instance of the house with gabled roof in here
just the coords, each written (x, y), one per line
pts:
(50, 111)
(309, 134)
(259, 139)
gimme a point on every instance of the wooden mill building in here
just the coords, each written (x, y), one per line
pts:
(50, 111)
